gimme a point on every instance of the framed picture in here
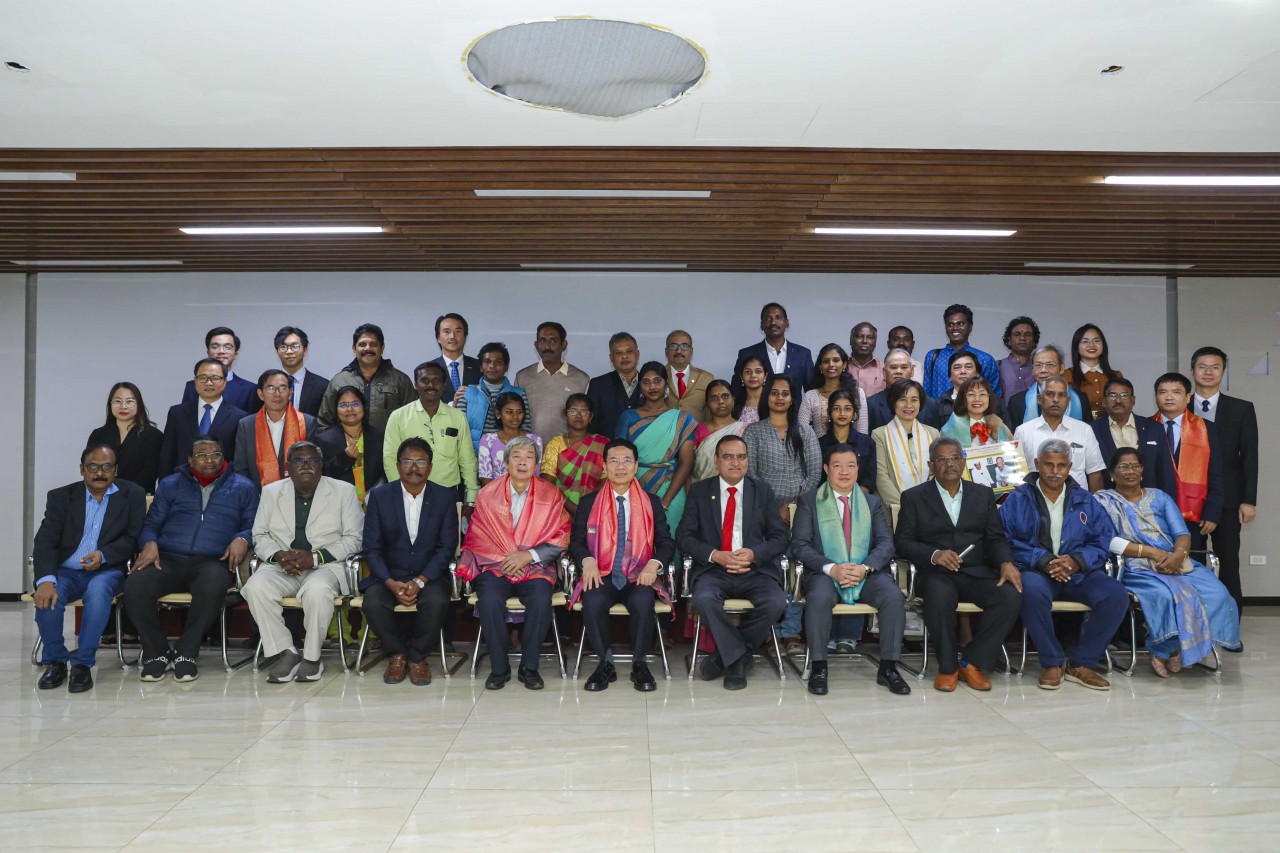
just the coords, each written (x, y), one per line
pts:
(1000, 466)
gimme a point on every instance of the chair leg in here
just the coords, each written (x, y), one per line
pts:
(662, 647)
(777, 655)
(257, 653)
(1022, 664)
(450, 669)
(577, 666)
(475, 658)
(35, 651)
(118, 606)
(555, 633)
(226, 660)
(697, 637)
(364, 639)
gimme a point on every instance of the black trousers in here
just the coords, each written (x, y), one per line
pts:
(710, 590)
(942, 590)
(411, 634)
(1226, 545)
(491, 606)
(595, 616)
(206, 578)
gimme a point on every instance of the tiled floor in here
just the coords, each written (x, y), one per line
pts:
(231, 763)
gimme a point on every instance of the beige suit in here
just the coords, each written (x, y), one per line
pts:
(696, 381)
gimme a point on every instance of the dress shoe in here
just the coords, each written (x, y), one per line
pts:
(529, 678)
(642, 678)
(946, 682)
(604, 675)
(818, 678)
(893, 680)
(1086, 677)
(1051, 678)
(735, 675)
(497, 680)
(396, 666)
(712, 667)
(54, 674)
(973, 677)
(81, 679)
(420, 672)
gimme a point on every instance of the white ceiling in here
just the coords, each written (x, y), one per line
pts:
(1199, 75)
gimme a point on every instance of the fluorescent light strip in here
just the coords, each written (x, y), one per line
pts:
(114, 262)
(917, 232)
(593, 193)
(1106, 266)
(609, 266)
(289, 229)
(37, 176)
(1194, 180)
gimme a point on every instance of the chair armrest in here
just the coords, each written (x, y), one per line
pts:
(568, 571)
(562, 572)
(351, 566)
(686, 584)
(797, 580)
(455, 582)
(911, 581)
(672, 580)
(241, 578)
(1210, 559)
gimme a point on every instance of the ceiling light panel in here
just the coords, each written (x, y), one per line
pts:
(916, 232)
(504, 193)
(286, 229)
(1194, 180)
(37, 176)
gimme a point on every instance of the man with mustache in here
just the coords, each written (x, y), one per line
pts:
(549, 382)
(777, 353)
(385, 388)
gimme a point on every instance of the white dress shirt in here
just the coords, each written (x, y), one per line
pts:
(213, 413)
(777, 358)
(1086, 456)
(1198, 405)
(518, 500)
(737, 515)
(276, 428)
(298, 378)
(412, 511)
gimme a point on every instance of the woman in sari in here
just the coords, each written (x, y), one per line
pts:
(973, 421)
(719, 423)
(664, 437)
(574, 462)
(902, 445)
(830, 374)
(1186, 607)
(746, 407)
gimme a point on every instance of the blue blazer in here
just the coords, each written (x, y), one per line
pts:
(799, 366)
(387, 550)
(1153, 447)
(240, 392)
(1086, 528)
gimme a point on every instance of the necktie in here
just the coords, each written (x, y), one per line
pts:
(1168, 430)
(730, 510)
(453, 375)
(293, 390)
(848, 524)
(680, 386)
(1204, 405)
(619, 579)
(206, 420)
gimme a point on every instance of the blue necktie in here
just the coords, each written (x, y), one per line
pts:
(619, 579)
(206, 420)
(453, 375)
(1168, 430)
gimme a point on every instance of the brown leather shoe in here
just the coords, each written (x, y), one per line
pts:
(946, 682)
(973, 677)
(1086, 677)
(395, 669)
(1051, 678)
(420, 672)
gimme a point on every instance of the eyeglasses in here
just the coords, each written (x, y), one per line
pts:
(122, 403)
(207, 457)
(104, 467)
(206, 379)
(577, 412)
(948, 460)
(347, 407)
(1129, 466)
(276, 389)
(625, 462)
(733, 457)
(309, 462)
(977, 395)
(421, 464)
(1122, 395)
(222, 347)
(680, 347)
(290, 348)
(1093, 342)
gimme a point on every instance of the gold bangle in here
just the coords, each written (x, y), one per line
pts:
(1141, 549)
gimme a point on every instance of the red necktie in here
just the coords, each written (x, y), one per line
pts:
(848, 524)
(680, 386)
(730, 510)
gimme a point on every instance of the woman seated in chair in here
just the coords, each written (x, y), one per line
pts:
(1186, 607)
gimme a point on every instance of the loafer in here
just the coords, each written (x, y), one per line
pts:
(54, 674)
(1051, 678)
(419, 672)
(604, 675)
(1086, 677)
(712, 667)
(818, 678)
(892, 679)
(81, 679)
(529, 678)
(946, 682)
(394, 673)
(973, 677)
(642, 679)
(497, 680)
(285, 667)
(735, 675)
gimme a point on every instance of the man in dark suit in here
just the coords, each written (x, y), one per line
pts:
(459, 370)
(778, 354)
(897, 365)
(282, 424)
(88, 535)
(307, 387)
(843, 538)
(951, 531)
(1237, 427)
(210, 413)
(409, 566)
(733, 531)
(1142, 434)
(224, 345)
(614, 392)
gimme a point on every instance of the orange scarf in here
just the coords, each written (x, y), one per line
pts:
(1192, 464)
(295, 429)
(490, 536)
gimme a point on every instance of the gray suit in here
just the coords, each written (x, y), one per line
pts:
(247, 463)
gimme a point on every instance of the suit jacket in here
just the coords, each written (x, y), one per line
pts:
(799, 365)
(1236, 423)
(806, 540)
(239, 392)
(608, 401)
(335, 523)
(388, 553)
(924, 527)
(696, 381)
(1153, 448)
(338, 465)
(246, 464)
(1215, 501)
(470, 375)
(878, 411)
(763, 530)
(664, 547)
(183, 424)
(313, 388)
(886, 483)
(63, 527)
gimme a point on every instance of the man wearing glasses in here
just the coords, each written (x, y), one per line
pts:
(305, 528)
(209, 413)
(89, 532)
(266, 437)
(1122, 428)
(307, 387)
(687, 383)
(223, 344)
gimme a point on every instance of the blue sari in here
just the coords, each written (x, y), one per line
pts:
(659, 439)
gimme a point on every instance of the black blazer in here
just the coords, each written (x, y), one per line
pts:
(878, 411)
(763, 530)
(799, 366)
(182, 425)
(470, 375)
(387, 550)
(1237, 428)
(806, 541)
(337, 464)
(1153, 448)
(313, 388)
(63, 526)
(924, 527)
(866, 450)
(609, 400)
(239, 392)
(664, 547)
(138, 455)
(1214, 502)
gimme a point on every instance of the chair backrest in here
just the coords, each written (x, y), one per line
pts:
(893, 515)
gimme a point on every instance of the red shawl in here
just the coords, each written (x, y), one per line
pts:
(603, 540)
(490, 537)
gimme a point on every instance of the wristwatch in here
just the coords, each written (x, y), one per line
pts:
(420, 582)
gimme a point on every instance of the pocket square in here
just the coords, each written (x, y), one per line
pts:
(1152, 443)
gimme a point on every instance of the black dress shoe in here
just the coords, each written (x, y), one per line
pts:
(712, 667)
(642, 678)
(81, 678)
(496, 680)
(735, 676)
(530, 678)
(893, 680)
(604, 675)
(818, 678)
(54, 674)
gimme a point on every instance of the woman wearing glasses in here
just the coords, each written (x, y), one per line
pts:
(128, 431)
(1090, 369)
(353, 447)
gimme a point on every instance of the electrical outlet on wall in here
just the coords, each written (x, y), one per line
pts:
(1257, 559)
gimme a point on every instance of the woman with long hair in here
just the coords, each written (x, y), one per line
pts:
(841, 413)
(663, 435)
(511, 416)
(746, 406)
(973, 420)
(574, 461)
(719, 423)
(352, 447)
(1090, 369)
(128, 431)
(831, 374)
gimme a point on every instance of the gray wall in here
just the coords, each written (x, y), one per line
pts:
(12, 357)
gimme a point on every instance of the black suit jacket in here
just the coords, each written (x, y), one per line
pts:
(806, 540)
(609, 400)
(1237, 428)
(337, 464)
(239, 392)
(63, 527)
(470, 375)
(878, 411)
(387, 550)
(664, 547)
(799, 365)
(138, 455)
(924, 527)
(182, 425)
(763, 530)
(1153, 447)
(313, 388)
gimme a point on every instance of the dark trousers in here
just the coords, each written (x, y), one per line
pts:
(881, 591)
(710, 590)
(1226, 545)
(595, 616)
(97, 588)
(942, 590)
(1108, 602)
(206, 578)
(411, 634)
(491, 606)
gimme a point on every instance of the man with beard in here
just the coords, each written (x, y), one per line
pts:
(385, 388)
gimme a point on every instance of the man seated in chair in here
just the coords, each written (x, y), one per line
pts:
(410, 535)
(306, 527)
(89, 533)
(1061, 539)
(518, 530)
(950, 531)
(844, 540)
(733, 531)
(622, 544)
(196, 534)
